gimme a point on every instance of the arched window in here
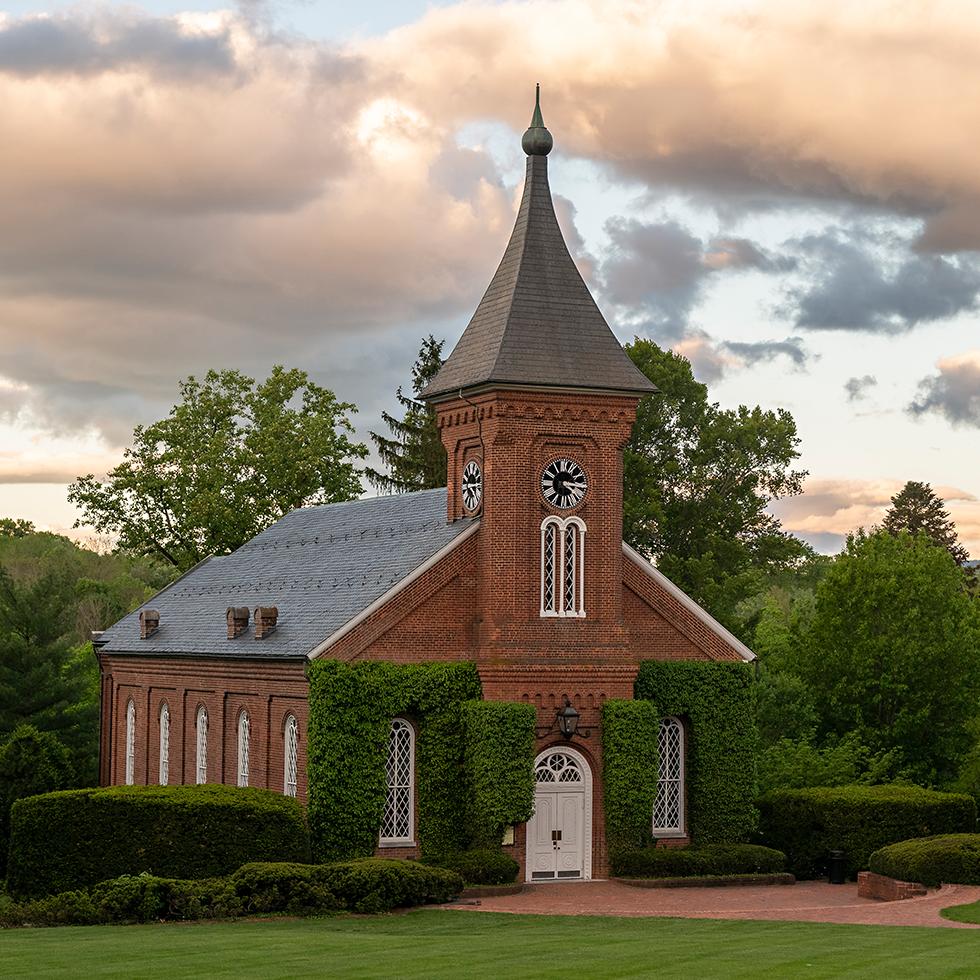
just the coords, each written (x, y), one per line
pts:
(398, 822)
(202, 745)
(291, 738)
(164, 744)
(130, 742)
(668, 810)
(563, 566)
(244, 730)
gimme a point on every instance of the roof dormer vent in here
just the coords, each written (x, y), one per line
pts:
(237, 619)
(149, 623)
(265, 620)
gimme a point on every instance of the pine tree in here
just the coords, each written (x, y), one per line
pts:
(917, 508)
(414, 456)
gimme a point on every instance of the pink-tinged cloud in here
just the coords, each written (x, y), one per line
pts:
(953, 393)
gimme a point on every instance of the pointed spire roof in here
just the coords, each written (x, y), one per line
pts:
(537, 324)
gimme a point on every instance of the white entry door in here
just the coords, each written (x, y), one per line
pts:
(557, 842)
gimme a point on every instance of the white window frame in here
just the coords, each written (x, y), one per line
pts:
(290, 755)
(201, 757)
(679, 782)
(164, 744)
(130, 742)
(398, 726)
(560, 588)
(244, 732)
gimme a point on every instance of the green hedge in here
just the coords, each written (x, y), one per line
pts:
(807, 823)
(260, 888)
(716, 701)
(695, 862)
(76, 838)
(947, 859)
(630, 732)
(481, 866)
(499, 761)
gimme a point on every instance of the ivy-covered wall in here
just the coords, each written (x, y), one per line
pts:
(630, 758)
(715, 699)
(499, 767)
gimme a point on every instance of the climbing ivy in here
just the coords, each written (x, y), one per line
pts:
(715, 699)
(500, 767)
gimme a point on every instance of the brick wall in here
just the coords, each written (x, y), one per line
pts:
(885, 889)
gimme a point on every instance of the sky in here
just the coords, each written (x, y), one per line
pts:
(787, 193)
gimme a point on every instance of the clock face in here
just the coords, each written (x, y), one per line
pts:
(563, 483)
(472, 485)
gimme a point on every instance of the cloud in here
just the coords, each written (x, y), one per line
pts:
(954, 393)
(852, 283)
(769, 350)
(858, 388)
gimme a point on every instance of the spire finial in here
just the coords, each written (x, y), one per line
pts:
(537, 141)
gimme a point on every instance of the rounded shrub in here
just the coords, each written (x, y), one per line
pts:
(945, 859)
(480, 866)
(77, 838)
(696, 862)
(808, 823)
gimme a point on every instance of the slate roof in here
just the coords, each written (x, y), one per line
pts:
(537, 323)
(320, 565)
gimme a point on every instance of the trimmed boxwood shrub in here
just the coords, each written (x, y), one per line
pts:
(481, 866)
(378, 885)
(694, 862)
(715, 700)
(946, 859)
(76, 838)
(807, 823)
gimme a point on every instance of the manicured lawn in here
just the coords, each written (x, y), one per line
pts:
(434, 943)
(963, 913)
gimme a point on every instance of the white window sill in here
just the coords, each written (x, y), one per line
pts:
(397, 843)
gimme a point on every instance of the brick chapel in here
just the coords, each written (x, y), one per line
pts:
(518, 565)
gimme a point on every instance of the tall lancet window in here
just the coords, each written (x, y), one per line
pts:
(398, 821)
(563, 566)
(290, 755)
(164, 744)
(668, 809)
(202, 745)
(130, 742)
(244, 731)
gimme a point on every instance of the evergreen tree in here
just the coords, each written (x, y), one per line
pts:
(917, 508)
(414, 456)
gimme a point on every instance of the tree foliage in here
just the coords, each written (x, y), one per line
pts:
(893, 652)
(698, 480)
(231, 458)
(917, 508)
(414, 456)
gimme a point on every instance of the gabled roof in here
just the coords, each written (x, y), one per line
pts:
(537, 323)
(321, 566)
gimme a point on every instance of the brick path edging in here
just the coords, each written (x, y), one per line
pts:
(718, 881)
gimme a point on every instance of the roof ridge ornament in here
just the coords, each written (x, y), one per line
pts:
(537, 141)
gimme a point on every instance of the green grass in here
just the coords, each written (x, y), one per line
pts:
(963, 913)
(433, 943)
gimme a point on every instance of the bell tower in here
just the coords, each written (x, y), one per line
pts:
(535, 404)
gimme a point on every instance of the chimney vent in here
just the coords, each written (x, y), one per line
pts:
(265, 620)
(237, 618)
(149, 623)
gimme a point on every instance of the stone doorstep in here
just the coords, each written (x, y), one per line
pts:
(726, 881)
(885, 889)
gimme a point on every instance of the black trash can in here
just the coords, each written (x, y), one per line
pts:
(836, 868)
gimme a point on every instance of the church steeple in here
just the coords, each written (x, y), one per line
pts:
(537, 324)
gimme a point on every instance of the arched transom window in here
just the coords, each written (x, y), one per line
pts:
(164, 744)
(244, 731)
(563, 566)
(668, 809)
(290, 756)
(130, 742)
(399, 817)
(558, 768)
(202, 745)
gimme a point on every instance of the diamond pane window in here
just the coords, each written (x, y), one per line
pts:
(668, 809)
(292, 751)
(398, 821)
(202, 745)
(244, 730)
(563, 566)
(130, 743)
(164, 744)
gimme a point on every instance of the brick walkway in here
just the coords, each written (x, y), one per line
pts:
(808, 901)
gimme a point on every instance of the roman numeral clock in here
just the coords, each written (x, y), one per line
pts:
(563, 483)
